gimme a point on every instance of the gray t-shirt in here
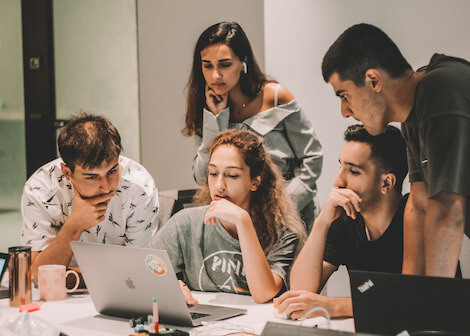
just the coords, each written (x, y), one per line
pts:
(210, 259)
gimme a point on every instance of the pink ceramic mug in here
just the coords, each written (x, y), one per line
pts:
(52, 285)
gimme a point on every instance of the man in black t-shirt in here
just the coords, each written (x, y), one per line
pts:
(360, 224)
(377, 86)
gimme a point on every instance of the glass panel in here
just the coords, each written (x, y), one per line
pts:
(95, 45)
(12, 131)
(12, 136)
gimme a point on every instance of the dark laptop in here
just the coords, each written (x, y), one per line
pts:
(3, 267)
(284, 329)
(386, 304)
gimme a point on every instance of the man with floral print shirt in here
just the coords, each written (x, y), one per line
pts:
(90, 194)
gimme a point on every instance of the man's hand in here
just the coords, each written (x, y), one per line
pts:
(88, 212)
(339, 199)
(190, 300)
(298, 303)
(215, 103)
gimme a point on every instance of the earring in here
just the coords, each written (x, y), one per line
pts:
(245, 69)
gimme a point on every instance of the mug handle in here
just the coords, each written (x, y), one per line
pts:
(77, 282)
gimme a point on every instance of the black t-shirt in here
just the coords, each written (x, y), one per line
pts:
(437, 131)
(347, 244)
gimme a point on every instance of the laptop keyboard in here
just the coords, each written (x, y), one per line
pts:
(196, 316)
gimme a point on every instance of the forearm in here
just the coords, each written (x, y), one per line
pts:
(340, 307)
(58, 251)
(413, 229)
(444, 223)
(262, 283)
(413, 241)
(307, 270)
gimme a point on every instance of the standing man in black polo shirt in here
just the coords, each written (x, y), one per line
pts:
(360, 224)
(377, 86)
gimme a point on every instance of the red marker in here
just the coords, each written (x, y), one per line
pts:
(155, 314)
(30, 307)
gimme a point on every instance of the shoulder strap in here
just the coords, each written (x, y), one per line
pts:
(276, 93)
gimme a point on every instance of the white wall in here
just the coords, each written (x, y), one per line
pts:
(298, 33)
(96, 65)
(168, 31)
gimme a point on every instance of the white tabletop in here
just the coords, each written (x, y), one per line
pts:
(76, 316)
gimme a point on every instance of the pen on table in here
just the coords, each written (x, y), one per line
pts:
(155, 314)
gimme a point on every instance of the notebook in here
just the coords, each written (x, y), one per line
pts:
(386, 303)
(4, 293)
(122, 281)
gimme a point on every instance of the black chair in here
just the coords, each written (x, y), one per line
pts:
(172, 201)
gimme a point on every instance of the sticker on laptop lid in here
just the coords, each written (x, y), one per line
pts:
(155, 264)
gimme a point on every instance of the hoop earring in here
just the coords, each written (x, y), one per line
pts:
(245, 69)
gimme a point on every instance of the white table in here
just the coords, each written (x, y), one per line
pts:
(76, 316)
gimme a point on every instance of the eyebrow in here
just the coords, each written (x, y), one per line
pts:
(353, 165)
(114, 167)
(221, 60)
(340, 92)
(229, 167)
(93, 174)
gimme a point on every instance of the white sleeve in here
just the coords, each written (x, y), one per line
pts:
(141, 221)
(42, 218)
(211, 125)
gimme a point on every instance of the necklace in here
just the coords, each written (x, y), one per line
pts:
(243, 107)
(250, 99)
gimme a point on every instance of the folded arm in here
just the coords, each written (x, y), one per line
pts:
(308, 152)
(310, 272)
(86, 214)
(262, 282)
(212, 124)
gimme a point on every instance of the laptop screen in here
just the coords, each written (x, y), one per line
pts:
(3, 264)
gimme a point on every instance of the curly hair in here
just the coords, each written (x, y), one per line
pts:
(251, 83)
(271, 208)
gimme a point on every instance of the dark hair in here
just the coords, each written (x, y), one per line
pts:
(359, 48)
(272, 209)
(251, 83)
(388, 150)
(89, 141)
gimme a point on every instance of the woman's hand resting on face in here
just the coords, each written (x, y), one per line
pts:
(215, 103)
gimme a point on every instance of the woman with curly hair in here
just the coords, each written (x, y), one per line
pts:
(244, 236)
(227, 89)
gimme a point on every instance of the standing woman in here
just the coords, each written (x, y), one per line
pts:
(227, 89)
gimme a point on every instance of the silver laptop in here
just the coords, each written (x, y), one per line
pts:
(122, 281)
